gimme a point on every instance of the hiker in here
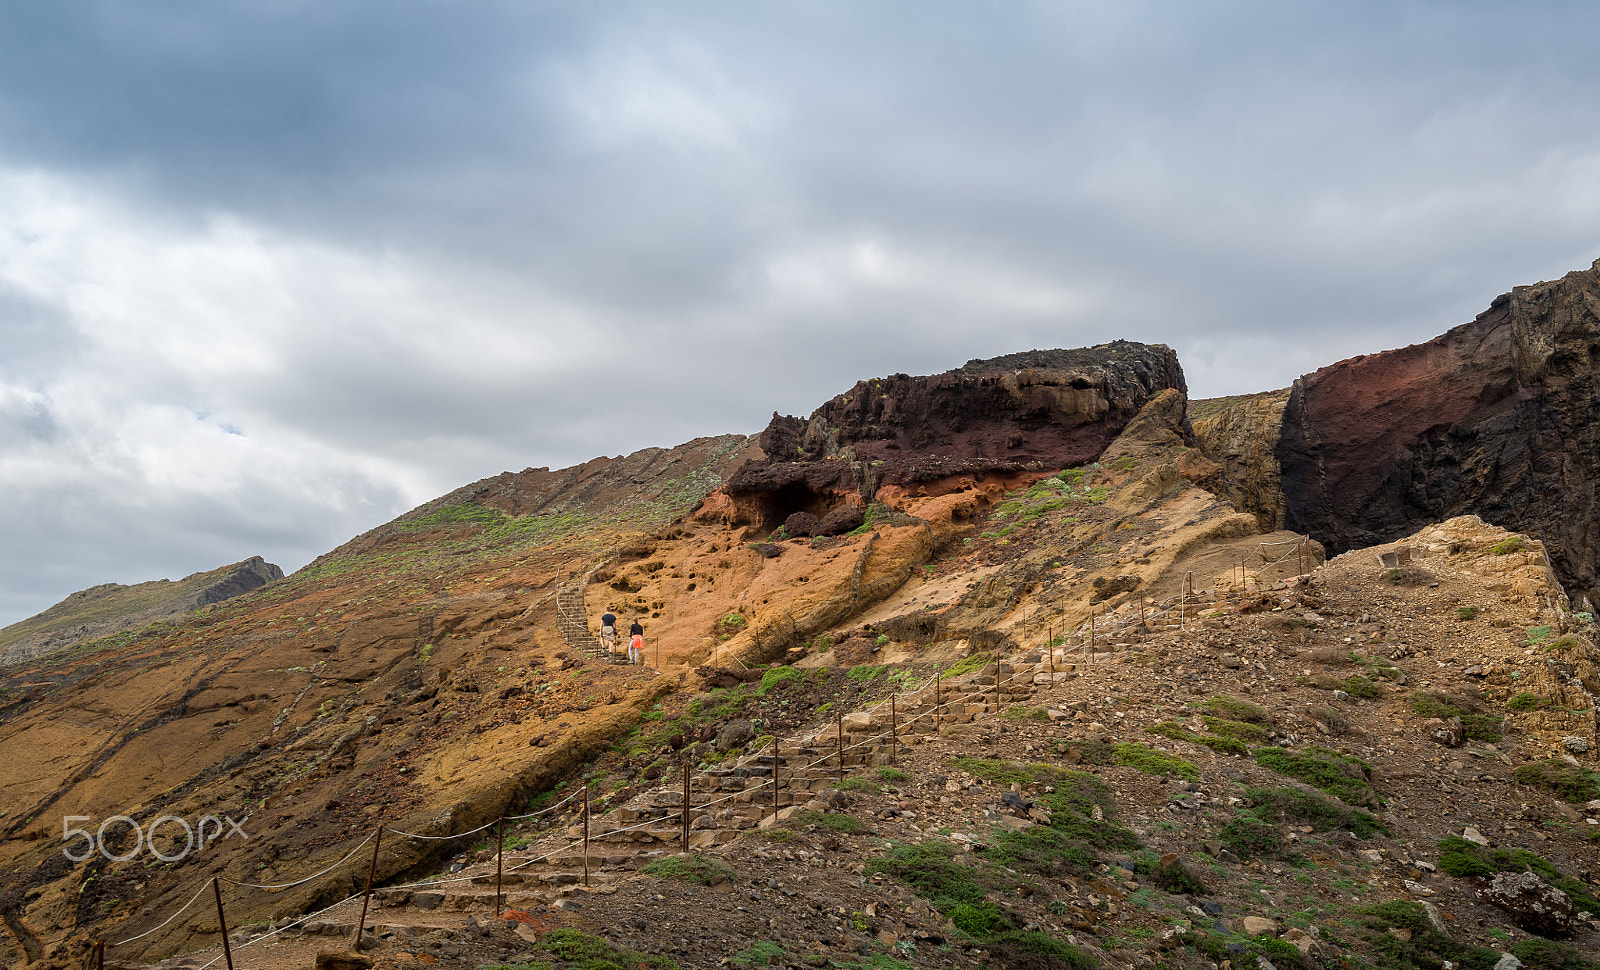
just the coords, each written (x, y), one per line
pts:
(636, 643)
(608, 631)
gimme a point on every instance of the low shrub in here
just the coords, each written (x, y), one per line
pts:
(1507, 546)
(832, 821)
(776, 677)
(1235, 709)
(1466, 612)
(1132, 754)
(1523, 701)
(1468, 860)
(1570, 783)
(693, 867)
(1420, 946)
(1345, 778)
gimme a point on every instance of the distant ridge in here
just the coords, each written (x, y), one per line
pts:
(112, 608)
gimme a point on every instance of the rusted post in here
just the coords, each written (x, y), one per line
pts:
(100, 955)
(774, 778)
(1091, 633)
(839, 764)
(372, 871)
(499, 862)
(684, 846)
(222, 921)
(894, 739)
(1050, 646)
(586, 835)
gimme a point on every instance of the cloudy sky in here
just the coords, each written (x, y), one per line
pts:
(273, 273)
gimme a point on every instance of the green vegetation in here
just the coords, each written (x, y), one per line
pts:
(1465, 859)
(777, 676)
(832, 821)
(1477, 727)
(1507, 546)
(758, 955)
(1345, 778)
(1322, 814)
(582, 951)
(1235, 709)
(1017, 712)
(1570, 783)
(1466, 612)
(966, 665)
(891, 774)
(960, 893)
(693, 867)
(1420, 946)
(1217, 742)
(1538, 635)
(1133, 754)
(865, 673)
(1523, 701)
(732, 623)
(1537, 954)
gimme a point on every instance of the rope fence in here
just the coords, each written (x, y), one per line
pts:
(939, 706)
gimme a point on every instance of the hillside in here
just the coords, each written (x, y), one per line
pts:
(111, 609)
(1086, 704)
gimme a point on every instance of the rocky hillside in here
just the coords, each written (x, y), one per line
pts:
(1011, 666)
(1496, 418)
(109, 609)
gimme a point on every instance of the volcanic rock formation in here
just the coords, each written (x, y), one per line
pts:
(1498, 418)
(1023, 412)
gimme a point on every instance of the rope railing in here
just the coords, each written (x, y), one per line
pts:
(969, 691)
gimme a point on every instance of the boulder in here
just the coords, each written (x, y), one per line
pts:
(1532, 903)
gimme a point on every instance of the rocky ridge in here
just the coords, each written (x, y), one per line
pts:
(111, 608)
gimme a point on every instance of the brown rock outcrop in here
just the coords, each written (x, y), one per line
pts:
(1024, 412)
(1499, 418)
(1241, 436)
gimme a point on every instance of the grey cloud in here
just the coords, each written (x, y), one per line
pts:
(566, 230)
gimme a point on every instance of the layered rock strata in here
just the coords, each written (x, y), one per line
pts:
(1023, 412)
(1499, 418)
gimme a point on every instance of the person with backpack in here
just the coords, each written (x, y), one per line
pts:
(608, 631)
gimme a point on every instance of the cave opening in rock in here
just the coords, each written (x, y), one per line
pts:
(780, 503)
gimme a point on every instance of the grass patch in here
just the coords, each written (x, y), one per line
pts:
(1345, 778)
(1142, 757)
(1549, 955)
(832, 821)
(1467, 860)
(1475, 726)
(1523, 701)
(1043, 850)
(696, 868)
(966, 665)
(1466, 612)
(777, 677)
(865, 674)
(1177, 732)
(1235, 709)
(1538, 635)
(1570, 783)
(759, 955)
(1507, 546)
(1019, 713)
(891, 774)
(1426, 948)
(1322, 814)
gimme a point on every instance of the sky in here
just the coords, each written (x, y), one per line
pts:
(274, 273)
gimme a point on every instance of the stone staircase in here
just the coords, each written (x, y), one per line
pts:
(725, 801)
(572, 620)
